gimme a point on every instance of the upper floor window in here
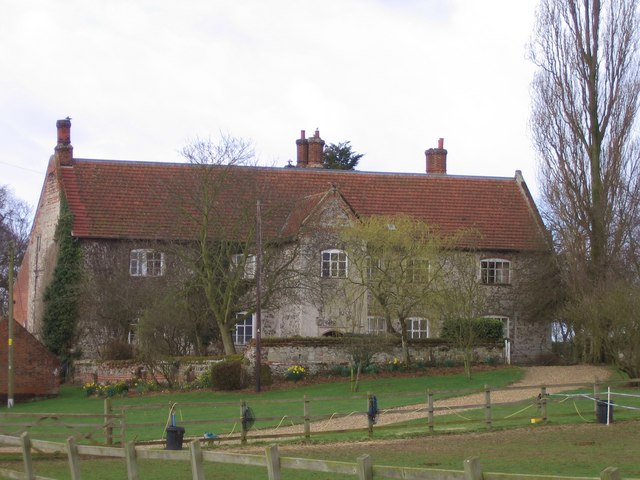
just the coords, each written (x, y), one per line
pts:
(376, 326)
(334, 264)
(247, 263)
(146, 263)
(495, 271)
(418, 270)
(418, 327)
(244, 329)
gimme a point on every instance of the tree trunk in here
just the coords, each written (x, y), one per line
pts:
(227, 341)
(405, 343)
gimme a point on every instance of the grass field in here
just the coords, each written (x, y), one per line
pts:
(146, 416)
(558, 448)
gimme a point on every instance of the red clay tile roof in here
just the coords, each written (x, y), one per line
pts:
(143, 200)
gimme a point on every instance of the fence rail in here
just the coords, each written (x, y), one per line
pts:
(308, 415)
(363, 468)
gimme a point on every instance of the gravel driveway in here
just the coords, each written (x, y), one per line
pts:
(528, 387)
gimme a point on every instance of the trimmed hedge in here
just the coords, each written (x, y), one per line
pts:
(484, 329)
(229, 374)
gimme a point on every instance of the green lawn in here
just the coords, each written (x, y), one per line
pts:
(570, 444)
(219, 412)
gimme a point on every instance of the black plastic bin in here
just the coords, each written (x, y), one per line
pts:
(601, 411)
(174, 438)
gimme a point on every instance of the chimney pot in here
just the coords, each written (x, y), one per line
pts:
(441, 143)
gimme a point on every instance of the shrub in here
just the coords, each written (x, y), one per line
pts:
(202, 382)
(341, 370)
(371, 369)
(118, 350)
(483, 329)
(228, 374)
(419, 366)
(266, 378)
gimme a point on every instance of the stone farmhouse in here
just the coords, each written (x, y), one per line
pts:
(127, 214)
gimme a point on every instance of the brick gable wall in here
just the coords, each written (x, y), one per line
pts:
(36, 370)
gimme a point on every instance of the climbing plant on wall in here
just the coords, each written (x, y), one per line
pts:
(61, 296)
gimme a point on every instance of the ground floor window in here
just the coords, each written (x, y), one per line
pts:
(418, 327)
(244, 329)
(375, 326)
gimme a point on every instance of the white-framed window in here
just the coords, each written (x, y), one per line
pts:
(505, 323)
(245, 329)
(334, 264)
(247, 263)
(418, 327)
(376, 326)
(418, 270)
(146, 263)
(495, 271)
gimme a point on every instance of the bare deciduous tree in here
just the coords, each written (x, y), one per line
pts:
(14, 228)
(585, 103)
(220, 207)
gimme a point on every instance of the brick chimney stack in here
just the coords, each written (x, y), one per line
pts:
(64, 149)
(316, 148)
(437, 159)
(303, 150)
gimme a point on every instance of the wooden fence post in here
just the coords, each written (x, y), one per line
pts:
(273, 462)
(487, 406)
(307, 422)
(243, 423)
(365, 467)
(430, 409)
(197, 472)
(370, 418)
(108, 429)
(74, 458)
(610, 473)
(543, 403)
(26, 456)
(472, 469)
(132, 463)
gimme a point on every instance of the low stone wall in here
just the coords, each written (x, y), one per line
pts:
(319, 355)
(316, 355)
(95, 371)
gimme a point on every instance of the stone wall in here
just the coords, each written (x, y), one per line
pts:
(96, 371)
(318, 355)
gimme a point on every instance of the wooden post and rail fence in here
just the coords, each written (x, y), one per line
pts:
(121, 423)
(271, 461)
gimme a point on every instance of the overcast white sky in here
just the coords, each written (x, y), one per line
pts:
(141, 77)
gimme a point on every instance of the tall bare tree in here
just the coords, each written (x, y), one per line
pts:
(14, 227)
(220, 207)
(585, 104)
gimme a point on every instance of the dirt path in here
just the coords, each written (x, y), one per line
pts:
(534, 377)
